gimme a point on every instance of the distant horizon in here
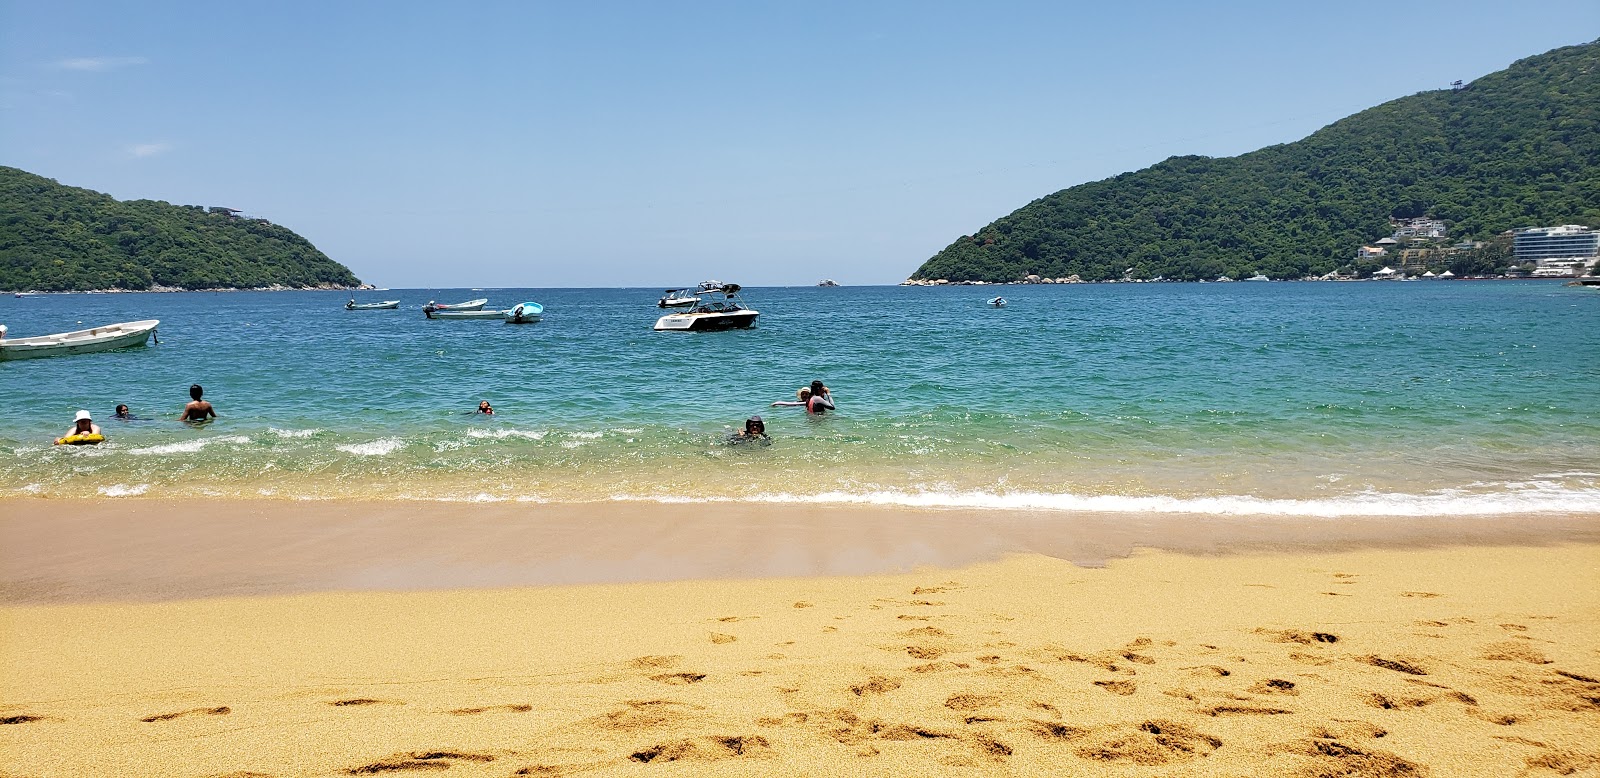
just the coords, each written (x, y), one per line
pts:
(625, 141)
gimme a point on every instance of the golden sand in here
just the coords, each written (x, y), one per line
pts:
(1457, 662)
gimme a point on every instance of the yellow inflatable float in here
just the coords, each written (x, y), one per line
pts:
(80, 440)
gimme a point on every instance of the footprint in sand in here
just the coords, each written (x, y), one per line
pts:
(877, 684)
(20, 719)
(361, 701)
(1274, 686)
(218, 711)
(417, 760)
(1121, 688)
(971, 701)
(720, 638)
(705, 748)
(1151, 743)
(1303, 637)
(679, 679)
(803, 604)
(641, 715)
(511, 708)
(1509, 651)
(652, 662)
(1396, 665)
(1422, 595)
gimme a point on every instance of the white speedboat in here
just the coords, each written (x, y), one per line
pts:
(111, 336)
(386, 305)
(447, 314)
(715, 309)
(524, 313)
(1258, 277)
(997, 302)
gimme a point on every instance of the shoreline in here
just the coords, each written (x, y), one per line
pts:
(147, 549)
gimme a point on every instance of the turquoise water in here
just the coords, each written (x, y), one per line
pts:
(1299, 398)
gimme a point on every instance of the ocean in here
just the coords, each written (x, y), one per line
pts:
(1304, 399)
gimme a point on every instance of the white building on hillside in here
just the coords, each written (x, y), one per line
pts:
(1557, 251)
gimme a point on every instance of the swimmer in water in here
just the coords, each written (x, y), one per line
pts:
(485, 408)
(122, 413)
(754, 430)
(82, 424)
(197, 410)
(821, 399)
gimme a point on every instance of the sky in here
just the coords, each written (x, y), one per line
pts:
(582, 144)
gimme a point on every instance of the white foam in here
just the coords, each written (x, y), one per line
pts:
(584, 435)
(1442, 503)
(502, 434)
(374, 448)
(189, 446)
(293, 433)
(123, 490)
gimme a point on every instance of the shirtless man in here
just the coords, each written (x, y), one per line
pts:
(197, 409)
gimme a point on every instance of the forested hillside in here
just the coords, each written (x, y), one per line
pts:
(1516, 148)
(61, 238)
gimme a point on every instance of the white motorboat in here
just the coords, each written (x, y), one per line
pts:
(1258, 277)
(438, 314)
(386, 305)
(470, 305)
(997, 302)
(677, 298)
(111, 336)
(524, 313)
(715, 309)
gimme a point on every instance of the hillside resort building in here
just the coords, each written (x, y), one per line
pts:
(1557, 251)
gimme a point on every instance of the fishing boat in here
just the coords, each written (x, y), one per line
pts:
(448, 314)
(996, 302)
(111, 336)
(470, 305)
(714, 309)
(524, 313)
(386, 305)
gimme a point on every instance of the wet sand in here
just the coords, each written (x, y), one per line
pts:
(1449, 648)
(135, 549)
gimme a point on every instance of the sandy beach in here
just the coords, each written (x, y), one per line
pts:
(1313, 649)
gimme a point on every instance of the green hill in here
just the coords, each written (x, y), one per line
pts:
(1516, 148)
(61, 238)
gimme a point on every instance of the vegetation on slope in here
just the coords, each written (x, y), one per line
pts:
(61, 238)
(1516, 148)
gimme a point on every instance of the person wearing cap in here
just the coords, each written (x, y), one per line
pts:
(754, 429)
(83, 424)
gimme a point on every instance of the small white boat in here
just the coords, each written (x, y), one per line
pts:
(997, 302)
(524, 313)
(1258, 277)
(677, 298)
(708, 315)
(470, 305)
(111, 336)
(386, 305)
(489, 314)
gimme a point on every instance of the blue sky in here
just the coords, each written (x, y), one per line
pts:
(650, 144)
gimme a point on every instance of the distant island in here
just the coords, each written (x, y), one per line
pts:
(56, 238)
(1517, 148)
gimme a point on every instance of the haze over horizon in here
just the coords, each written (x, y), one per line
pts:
(614, 144)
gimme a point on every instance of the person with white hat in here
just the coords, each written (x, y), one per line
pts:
(82, 424)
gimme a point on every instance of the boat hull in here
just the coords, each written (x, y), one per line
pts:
(108, 338)
(387, 305)
(707, 322)
(465, 314)
(470, 305)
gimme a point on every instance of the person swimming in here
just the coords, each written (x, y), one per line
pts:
(197, 410)
(122, 413)
(485, 408)
(755, 430)
(83, 424)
